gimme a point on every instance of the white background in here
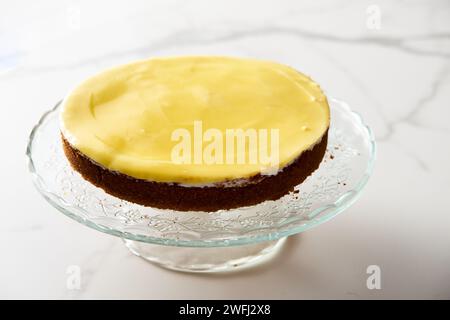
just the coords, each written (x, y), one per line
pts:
(396, 76)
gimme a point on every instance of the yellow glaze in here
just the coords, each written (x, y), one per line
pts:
(123, 118)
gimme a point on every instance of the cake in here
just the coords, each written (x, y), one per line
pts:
(196, 133)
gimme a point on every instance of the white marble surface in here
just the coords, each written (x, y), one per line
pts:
(397, 76)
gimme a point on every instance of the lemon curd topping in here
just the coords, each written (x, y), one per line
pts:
(124, 118)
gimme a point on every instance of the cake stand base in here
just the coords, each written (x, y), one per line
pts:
(217, 259)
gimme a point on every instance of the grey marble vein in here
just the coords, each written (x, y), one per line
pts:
(411, 116)
(23, 229)
(195, 36)
(435, 87)
(89, 268)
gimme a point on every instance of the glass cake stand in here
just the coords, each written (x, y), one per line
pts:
(209, 241)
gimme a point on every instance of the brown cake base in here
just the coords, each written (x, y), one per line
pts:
(177, 197)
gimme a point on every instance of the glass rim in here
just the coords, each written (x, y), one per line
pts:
(339, 205)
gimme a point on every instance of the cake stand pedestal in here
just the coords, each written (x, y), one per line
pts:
(216, 259)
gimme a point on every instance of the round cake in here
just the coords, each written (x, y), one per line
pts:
(196, 133)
